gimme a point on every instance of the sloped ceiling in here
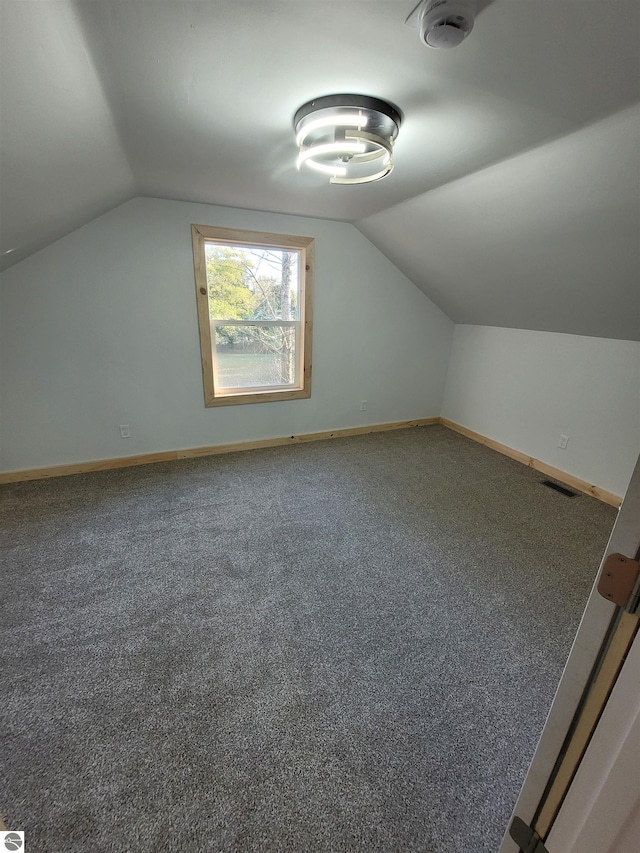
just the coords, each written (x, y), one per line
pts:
(62, 162)
(515, 196)
(547, 240)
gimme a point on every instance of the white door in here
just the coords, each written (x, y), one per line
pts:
(601, 812)
(604, 639)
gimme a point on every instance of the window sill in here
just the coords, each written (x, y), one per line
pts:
(239, 397)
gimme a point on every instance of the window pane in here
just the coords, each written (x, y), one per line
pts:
(253, 290)
(255, 355)
(252, 283)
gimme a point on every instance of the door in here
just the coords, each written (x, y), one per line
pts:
(601, 812)
(604, 640)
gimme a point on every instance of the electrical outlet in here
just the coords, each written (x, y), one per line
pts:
(563, 441)
(125, 432)
(363, 405)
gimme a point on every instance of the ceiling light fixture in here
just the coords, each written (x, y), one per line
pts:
(349, 137)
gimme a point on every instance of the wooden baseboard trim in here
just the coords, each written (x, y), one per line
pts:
(562, 476)
(214, 450)
(192, 452)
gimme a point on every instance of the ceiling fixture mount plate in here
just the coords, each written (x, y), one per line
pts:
(350, 138)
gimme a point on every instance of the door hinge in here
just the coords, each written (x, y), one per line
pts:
(525, 837)
(618, 581)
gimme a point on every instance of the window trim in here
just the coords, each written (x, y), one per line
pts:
(200, 234)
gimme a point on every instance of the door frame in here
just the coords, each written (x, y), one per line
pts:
(601, 811)
(583, 664)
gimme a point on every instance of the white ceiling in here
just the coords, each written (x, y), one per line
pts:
(515, 196)
(549, 239)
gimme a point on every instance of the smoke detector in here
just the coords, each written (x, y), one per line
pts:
(444, 23)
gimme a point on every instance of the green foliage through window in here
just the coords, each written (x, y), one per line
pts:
(246, 283)
(254, 314)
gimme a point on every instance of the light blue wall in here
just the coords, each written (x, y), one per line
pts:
(100, 329)
(525, 389)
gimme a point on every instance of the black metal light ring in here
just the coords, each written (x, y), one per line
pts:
(364, 102)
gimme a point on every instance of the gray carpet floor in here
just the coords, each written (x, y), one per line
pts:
(339, 646)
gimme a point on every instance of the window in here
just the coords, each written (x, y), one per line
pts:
(253, 292)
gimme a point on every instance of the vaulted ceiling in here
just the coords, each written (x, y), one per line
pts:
(515, 197)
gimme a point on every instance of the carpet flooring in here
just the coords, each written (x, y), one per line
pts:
(340, 646)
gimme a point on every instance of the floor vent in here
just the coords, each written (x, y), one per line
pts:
(558, 488)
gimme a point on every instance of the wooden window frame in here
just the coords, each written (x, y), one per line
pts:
(201, 234)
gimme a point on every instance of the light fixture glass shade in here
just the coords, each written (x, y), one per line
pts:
(348, 137)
